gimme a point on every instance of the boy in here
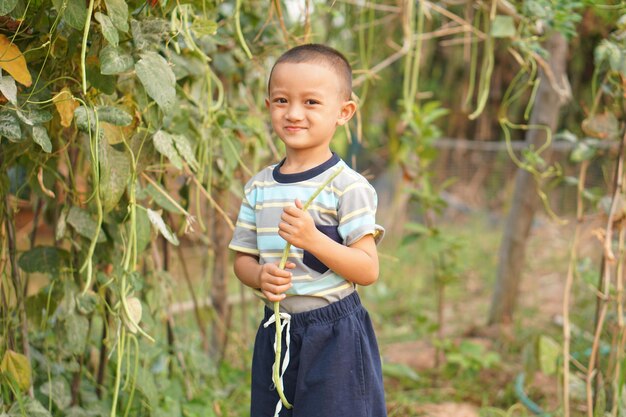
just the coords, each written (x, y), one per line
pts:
(333, 360)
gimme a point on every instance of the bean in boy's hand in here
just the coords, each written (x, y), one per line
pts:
(274, 281)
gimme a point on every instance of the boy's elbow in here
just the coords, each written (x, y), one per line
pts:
(371, 276)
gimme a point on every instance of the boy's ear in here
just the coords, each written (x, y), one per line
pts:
(267, 103)
(348, 109)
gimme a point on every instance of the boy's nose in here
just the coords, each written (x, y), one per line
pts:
(295, 113)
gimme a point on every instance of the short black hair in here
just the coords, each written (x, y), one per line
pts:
(318, 53)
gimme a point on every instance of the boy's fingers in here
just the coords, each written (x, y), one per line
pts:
(299, 203)
(290, 265)
(273, 297)
(292, 211)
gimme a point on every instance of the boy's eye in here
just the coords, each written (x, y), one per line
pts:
(280, 100)
(311, 102)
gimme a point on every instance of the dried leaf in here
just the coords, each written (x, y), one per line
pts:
(8, 88)
(157, 220)
(65, 105)
(13, 62)
(134, 313)
(164, 143)
(602, 126)
(18, 367)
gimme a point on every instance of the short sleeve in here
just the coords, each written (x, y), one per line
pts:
(244, 236)
(357, 213)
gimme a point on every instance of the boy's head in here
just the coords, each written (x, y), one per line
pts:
(322, 55)
(308, 97)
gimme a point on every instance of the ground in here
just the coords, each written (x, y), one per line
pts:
(540, 306)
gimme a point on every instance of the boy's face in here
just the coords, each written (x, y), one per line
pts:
(306, 105)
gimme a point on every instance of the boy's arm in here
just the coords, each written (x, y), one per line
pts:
(269, 278)
(358, 263)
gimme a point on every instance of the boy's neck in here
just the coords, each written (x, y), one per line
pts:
(302, 161)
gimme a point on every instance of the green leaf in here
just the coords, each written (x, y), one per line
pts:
(503, 27)
(74, 13)
(41, 138)
(84, 225)
(114, 175)
(108, 114)
(186, 151)
(610, 52)
(32, 408)
(76, 329)
(147, 386)
(114, 116)
(108, 29)
(32, 115)
(202, 27)
(149, 33)
(230, 152)
(7, 6)
(86, 303)
(157, 220)
(18, 367)
(158, 79)
(549, 353)
(118, 11)
(401, 372)
(10, 127)
(58, 390)
(582, 152)
(114, 61)
(103, 82)
(143, 229)
(84, 118)
(44, 259)
(164, 144)
(418, 229)
(161, 200)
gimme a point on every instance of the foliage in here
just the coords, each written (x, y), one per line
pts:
(102, 101)
(122, 121)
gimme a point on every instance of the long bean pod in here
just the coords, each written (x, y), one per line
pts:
(279, 328)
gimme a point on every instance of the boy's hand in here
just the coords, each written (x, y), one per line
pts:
(274, 281)
(297, 226)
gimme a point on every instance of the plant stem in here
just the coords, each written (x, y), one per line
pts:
(242, 40)
(20, 291)
(568, 287)
(83, 50)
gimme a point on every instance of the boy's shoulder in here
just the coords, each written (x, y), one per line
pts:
(350, 178)
(264, 176)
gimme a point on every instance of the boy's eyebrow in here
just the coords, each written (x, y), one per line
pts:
(275, 91)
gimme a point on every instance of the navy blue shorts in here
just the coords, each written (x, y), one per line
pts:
(334, 368)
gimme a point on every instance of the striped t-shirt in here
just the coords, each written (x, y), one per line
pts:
(345, 211)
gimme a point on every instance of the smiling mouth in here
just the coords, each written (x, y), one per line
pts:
(294, 128)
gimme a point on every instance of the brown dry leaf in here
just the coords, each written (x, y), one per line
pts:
(65, 104)
(113, 134)
(599, 234)
(18, 366)
(13, 62)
